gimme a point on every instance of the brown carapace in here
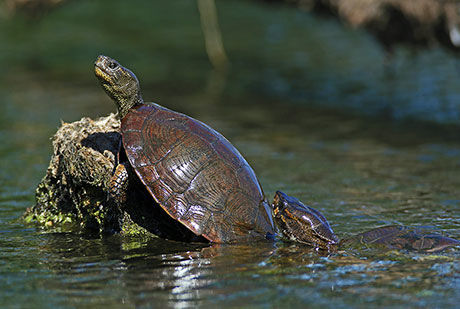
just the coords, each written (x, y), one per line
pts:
(191, 171)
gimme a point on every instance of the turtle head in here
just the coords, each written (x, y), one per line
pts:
(302, 223)
(119, 83)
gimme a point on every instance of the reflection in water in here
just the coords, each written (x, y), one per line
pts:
(117, 270)
(152, 271)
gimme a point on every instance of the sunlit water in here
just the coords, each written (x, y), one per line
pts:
(360, 172)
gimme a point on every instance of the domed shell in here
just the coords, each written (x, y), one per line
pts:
(195, 174)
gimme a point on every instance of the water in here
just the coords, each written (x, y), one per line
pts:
(314, 118)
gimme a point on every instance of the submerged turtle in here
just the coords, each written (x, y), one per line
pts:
(202, 188)
(305, 224)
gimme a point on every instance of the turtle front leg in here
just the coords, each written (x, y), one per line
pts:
(116, 199)
(118, 185)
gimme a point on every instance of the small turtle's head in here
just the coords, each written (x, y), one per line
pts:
(302, 223)
(120, 83)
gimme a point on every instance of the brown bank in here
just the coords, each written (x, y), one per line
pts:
(421, 23)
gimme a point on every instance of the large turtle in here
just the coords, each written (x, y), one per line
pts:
(192, 172)
(192, 184)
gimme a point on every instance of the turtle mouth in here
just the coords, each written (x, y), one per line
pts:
(102, 74)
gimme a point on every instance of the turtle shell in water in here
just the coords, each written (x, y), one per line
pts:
(304, 224)
(402, 238)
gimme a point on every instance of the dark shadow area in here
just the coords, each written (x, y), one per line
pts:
(101, 142)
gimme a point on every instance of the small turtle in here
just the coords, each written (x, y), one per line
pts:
(305, 224)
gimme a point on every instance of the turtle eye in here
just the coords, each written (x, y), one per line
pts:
(113, 65)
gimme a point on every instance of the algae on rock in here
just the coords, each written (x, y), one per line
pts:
(73, 191)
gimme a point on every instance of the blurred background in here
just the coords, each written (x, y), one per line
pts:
(351, 106)
(374, 61)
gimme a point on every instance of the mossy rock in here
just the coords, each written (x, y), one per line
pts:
(72, 195)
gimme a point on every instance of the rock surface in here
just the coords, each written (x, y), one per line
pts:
(74, 188)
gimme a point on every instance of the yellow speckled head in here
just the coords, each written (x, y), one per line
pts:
(119, 83)
(302, 223)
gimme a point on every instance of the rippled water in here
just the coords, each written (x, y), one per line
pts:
(361, 172)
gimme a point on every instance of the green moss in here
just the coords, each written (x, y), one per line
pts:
(129, 228)
(73, 192)
(48, 219)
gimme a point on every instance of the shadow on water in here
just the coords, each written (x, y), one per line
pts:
(142, 271)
